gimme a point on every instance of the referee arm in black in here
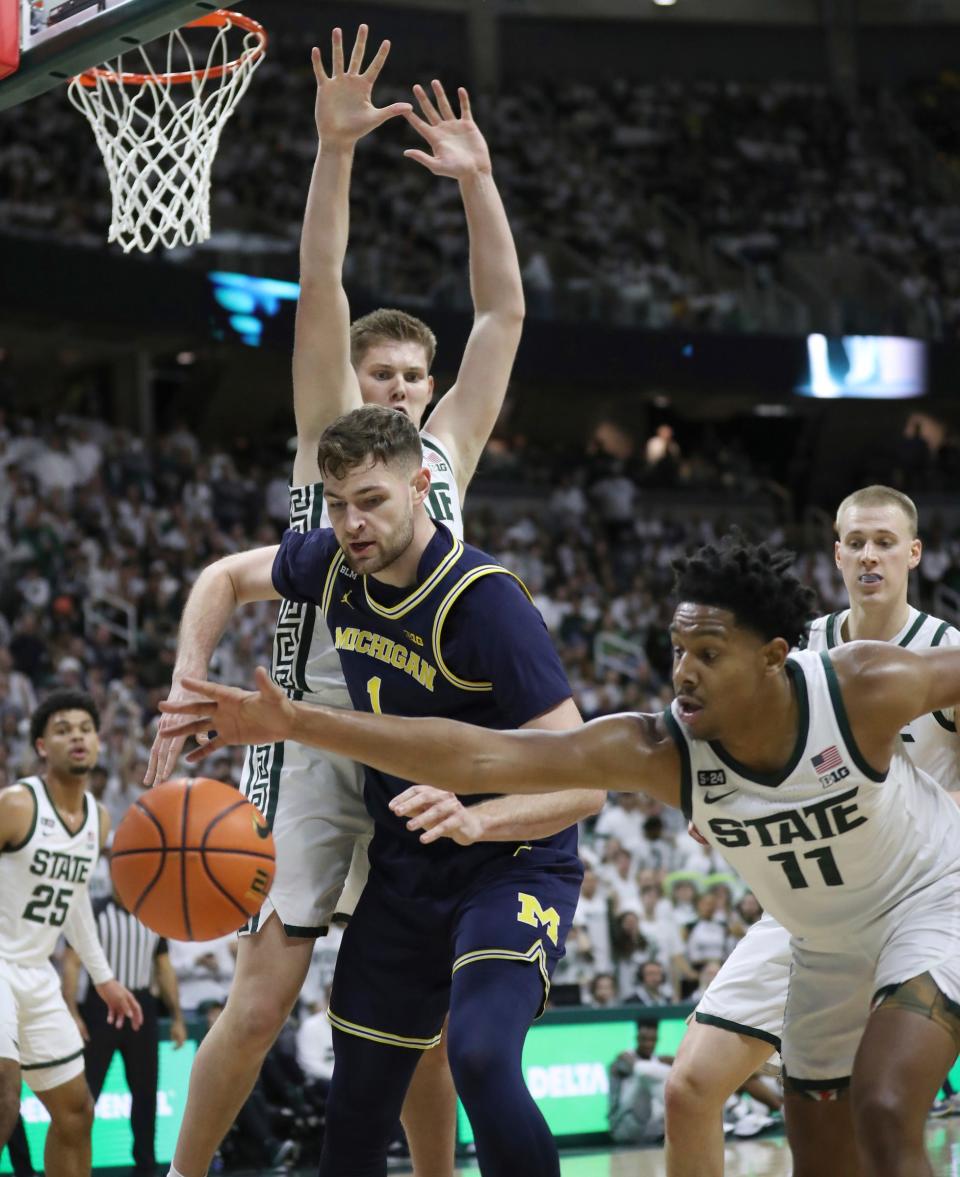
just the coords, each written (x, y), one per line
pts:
(170, 994)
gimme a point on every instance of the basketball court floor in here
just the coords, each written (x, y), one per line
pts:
(767, 1156)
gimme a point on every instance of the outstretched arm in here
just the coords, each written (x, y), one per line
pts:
(502, 819)
(622, 752)
(218, 592)
(324, 382)
(467, 414)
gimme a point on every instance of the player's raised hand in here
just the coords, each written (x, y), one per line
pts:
(166, 748)
(344, 109)
(459, 149)
(438, 814)
(227, 715)
(121, 1005)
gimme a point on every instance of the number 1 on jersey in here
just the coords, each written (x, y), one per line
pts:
(823, 857)
(373, 690)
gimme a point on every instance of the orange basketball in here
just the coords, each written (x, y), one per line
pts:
(192, 859)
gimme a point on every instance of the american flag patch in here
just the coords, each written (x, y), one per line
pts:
(827, 760)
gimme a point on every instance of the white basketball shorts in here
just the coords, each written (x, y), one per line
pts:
(749, 993)
(36, 1028)
(313, 803)
(833, 986)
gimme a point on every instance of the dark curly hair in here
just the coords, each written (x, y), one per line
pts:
(753, 581)
(65, 700)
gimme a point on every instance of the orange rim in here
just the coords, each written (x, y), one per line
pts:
(218, 19)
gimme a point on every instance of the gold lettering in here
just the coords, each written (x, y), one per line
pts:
(533, 914)
(386, 649)
(399, 656)
(426, 675)
(362, 645)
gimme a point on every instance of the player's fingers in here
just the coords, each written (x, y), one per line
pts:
(418, 124)
(443, 102)
(264, 683)
(421, 157)
(316, 60)
(204, 750)
(384, 113)
(466, 111)
(209, 690)
(150, 776)
(136, 1013)
(415, 798)
(359, 48)
(174, 747)
(438, 812)
(372, 72)
(444, 829)
(429, 113)
(337, 41)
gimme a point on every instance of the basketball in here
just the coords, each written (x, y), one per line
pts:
(192, 859)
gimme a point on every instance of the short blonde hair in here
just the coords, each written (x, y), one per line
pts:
(880, 496)
(393, 326)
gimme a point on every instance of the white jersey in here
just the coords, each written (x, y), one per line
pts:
(304, 658)
(931, 741)
(828, 844)
(41, 879)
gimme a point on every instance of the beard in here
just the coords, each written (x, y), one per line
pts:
(80, 769)
(388, 552)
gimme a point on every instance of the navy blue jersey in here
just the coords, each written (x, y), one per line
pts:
(463, 642)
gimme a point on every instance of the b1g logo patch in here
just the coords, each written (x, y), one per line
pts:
(711, 776)
(829, 766)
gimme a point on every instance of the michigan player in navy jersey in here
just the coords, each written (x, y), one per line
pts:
(790, 764)
(321, 829)
(738, 1022)
(425, 625)
(51, 834)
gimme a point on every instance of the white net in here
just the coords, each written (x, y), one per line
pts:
(158, 131)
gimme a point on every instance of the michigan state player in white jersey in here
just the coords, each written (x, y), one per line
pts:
(51, 833)
(793, 767)
(739, 1020)
(314, 801)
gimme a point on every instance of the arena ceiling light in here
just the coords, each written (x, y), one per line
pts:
(664, 3)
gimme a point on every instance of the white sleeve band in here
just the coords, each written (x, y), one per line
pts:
(81, 933)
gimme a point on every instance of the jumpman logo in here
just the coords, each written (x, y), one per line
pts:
(345, 599)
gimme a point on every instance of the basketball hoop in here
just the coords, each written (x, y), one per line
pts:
(158, 133)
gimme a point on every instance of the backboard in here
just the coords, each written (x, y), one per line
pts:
(56, 39)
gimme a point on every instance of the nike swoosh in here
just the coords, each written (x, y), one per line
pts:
(717, 796)
(262, 831)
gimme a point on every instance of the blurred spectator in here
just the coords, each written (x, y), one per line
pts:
(204, 970)
(637, 1080)
(652, 987)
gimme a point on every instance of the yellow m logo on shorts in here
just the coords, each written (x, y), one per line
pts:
(533, 914)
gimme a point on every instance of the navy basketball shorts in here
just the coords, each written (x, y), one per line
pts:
(399, 954)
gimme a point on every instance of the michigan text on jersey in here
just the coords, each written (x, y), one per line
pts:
(384, 649)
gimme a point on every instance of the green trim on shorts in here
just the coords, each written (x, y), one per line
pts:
(53, 1062)
(313, 933)
(737, 1028)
